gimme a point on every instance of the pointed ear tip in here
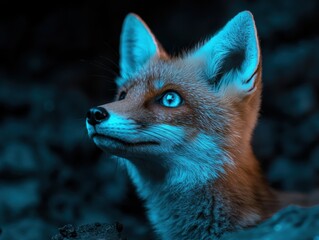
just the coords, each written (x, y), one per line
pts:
(132, 17)
(247, 13)
(246, 16)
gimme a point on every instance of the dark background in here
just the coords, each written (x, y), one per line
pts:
(58, 60)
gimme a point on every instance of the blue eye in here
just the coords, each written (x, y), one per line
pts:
(171, 99)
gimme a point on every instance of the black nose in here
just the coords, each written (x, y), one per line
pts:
(97, 115)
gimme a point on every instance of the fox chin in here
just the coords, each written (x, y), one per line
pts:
(182, 126)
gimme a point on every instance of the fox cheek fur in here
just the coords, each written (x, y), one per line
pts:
(191, 161)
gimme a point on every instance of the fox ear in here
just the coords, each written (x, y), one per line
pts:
(231, 57)
(137, 46)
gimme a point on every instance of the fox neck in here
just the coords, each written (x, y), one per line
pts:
(197, 201)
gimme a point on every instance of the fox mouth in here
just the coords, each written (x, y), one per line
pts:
(123, 142)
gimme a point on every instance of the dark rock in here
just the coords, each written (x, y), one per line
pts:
(293, 223)
(119, 227)
(68, 231)
(96, 231)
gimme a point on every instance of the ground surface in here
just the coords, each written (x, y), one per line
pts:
(292, 223)
(96, 231)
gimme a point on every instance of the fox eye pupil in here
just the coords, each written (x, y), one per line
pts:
(122, 95)
(171, 99)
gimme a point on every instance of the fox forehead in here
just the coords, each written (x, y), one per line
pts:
(158, 74)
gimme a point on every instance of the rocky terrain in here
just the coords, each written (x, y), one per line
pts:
(293, 223)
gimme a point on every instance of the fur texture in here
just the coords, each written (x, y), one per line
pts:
(193, 164)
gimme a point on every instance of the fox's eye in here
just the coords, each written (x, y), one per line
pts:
(171, 99)
(122, 95)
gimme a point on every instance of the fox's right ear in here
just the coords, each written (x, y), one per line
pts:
(137, 46)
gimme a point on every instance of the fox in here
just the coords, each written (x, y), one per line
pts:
(182, 125)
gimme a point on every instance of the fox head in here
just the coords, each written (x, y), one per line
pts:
(181, 118)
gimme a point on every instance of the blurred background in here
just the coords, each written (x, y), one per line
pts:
(58, 60)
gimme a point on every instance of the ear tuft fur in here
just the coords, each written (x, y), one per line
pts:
(232, 56)
(137, 46)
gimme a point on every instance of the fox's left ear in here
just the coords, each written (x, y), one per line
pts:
(137, 46)
(231, 57)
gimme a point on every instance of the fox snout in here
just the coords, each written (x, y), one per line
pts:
(97, 115)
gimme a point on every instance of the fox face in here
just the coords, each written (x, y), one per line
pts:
(160, 115)
(204, 101)
(179, 124)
